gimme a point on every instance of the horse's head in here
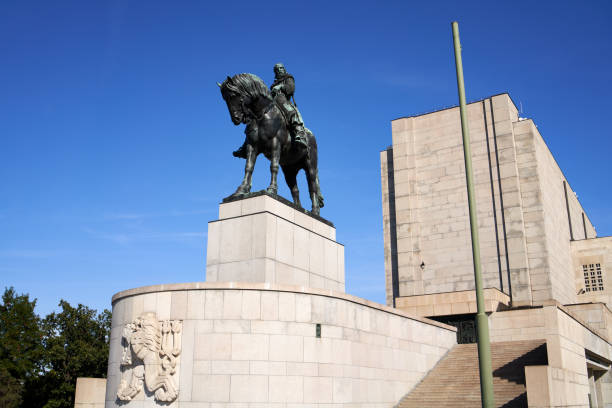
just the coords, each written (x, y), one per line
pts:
(234, 100)
(245, 94)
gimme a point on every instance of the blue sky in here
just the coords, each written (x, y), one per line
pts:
(115, 144)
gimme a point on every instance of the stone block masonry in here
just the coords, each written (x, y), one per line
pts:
(593, 256)
(257, 344)
(262, 239)
(572, 347)
(89, 392)
(527, 212)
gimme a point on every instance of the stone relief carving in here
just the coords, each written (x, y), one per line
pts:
(150, 351)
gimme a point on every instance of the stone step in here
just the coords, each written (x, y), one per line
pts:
(455, 380)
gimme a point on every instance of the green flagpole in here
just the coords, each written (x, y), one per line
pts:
(482, 323)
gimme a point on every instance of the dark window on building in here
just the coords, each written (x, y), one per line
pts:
(465, 324)
(593, 277)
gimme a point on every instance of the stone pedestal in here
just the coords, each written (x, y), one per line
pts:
(265, 239)
(271, 327)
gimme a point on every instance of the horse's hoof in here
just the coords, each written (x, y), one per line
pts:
(315, 211)
(272, 190)
(235, 195)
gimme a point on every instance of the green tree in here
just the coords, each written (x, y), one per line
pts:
(10, 389)
(20, 346)
(76, 344)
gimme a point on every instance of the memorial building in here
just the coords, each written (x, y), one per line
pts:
(546, 274)
(272, 326)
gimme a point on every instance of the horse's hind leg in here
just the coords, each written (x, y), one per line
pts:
(274, 163)
(312, 177)
(290, 173)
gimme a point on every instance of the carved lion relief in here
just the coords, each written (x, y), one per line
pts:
(150, 351)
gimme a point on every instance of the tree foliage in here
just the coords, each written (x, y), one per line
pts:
(42, 358)
(10, 389)
(20, 346)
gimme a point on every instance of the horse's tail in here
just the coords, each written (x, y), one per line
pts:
(314, 159)
(319, 195)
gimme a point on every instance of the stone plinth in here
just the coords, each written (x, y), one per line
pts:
(264, 239)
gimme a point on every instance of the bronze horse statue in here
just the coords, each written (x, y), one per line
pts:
(249, 101)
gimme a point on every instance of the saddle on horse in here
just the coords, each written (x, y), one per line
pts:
(293, 121)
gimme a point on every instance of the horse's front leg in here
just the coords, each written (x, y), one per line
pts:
(274, 162)
(245, 186)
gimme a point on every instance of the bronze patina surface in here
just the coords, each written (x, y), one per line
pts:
(275, 128)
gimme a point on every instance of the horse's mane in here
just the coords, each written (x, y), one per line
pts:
(248, 84)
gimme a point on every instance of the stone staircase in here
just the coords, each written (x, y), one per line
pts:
(455, 381)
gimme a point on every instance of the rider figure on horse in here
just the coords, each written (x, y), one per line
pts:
(282, 92)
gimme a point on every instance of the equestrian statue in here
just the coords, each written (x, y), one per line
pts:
(275, 128)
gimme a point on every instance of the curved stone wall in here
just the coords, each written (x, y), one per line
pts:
(227, 343)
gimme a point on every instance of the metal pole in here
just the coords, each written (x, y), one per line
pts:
(482, 323)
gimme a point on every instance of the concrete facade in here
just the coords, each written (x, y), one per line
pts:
(527, 212)
(256, 345)
(261, 239)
